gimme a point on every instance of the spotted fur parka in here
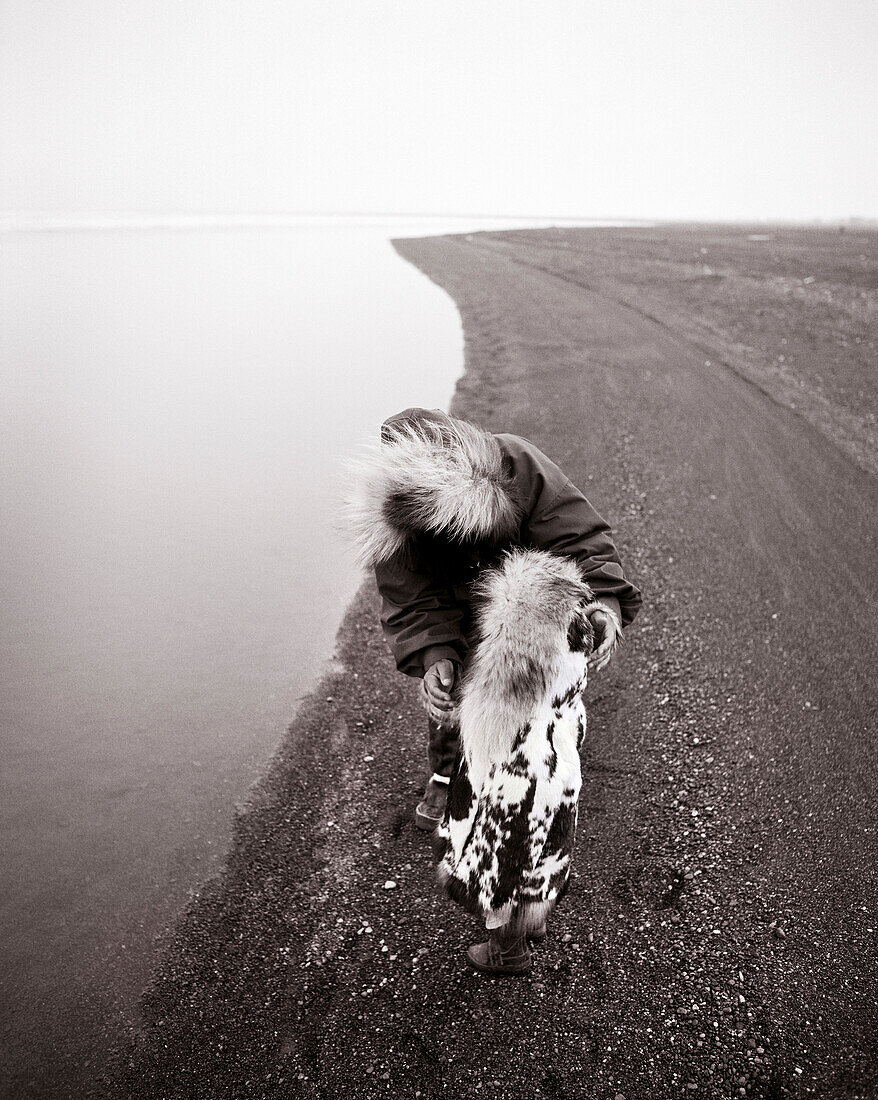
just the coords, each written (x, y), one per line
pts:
(506, 841)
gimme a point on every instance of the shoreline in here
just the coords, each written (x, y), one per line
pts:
(172, 580)
(725, 835)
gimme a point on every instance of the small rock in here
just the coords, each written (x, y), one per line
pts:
(566, 938)
(390, 884)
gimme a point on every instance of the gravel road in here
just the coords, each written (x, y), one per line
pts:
(710, 393)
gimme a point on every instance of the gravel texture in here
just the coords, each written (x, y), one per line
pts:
(719, 937)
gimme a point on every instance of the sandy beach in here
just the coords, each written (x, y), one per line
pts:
(712, 390)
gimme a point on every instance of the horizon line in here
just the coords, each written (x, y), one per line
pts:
(400, 224)
(24, 219)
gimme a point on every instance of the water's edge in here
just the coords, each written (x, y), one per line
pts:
(101, 990)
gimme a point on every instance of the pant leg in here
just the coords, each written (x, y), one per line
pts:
(442, 744)
(441, 747)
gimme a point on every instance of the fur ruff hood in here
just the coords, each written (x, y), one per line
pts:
(534, 636)
(438, 477)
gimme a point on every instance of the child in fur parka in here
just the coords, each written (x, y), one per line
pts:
(500, 585)
(507, 836)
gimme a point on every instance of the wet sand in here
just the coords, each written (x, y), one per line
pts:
(719, 934)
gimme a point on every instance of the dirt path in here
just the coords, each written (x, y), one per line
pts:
(719, 938)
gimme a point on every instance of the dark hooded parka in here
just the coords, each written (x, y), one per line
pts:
(440, 500)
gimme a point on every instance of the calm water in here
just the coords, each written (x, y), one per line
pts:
(175, 408)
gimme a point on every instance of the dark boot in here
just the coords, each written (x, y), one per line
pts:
(506, 953)
(431, 809)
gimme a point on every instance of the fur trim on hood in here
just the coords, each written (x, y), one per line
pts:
(443, 478)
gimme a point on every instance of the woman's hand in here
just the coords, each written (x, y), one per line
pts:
(607, 628)
(436, 692)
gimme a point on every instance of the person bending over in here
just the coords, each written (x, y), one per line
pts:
(439, 501)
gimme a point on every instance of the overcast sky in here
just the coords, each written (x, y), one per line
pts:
(639, 108)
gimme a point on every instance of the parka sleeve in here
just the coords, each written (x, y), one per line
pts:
(569, 525)
(421, 619)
